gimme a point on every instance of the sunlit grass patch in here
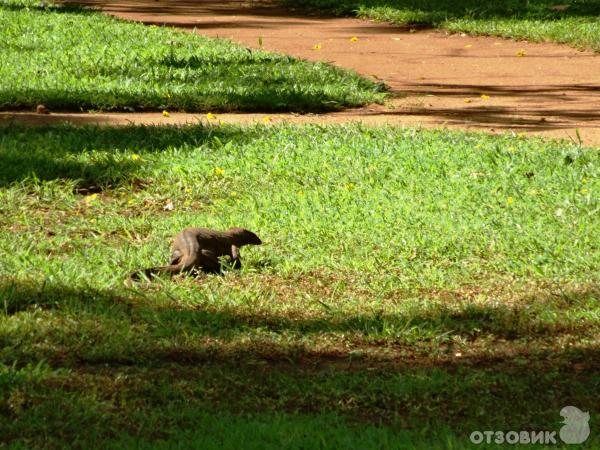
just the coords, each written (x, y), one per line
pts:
(69, 58)
(433, 206)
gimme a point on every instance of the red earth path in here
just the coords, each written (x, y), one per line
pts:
(438, 79)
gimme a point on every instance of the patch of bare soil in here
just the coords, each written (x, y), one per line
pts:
(458, 81)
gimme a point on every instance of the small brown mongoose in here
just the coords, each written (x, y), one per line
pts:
(200, 249)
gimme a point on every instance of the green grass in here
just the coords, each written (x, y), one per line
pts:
(69, 58)
(573, 22)
(414, 286)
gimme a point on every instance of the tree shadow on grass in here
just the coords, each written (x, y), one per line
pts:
(119, 349)
(254, 90)
(437, 11)
(432, 11)
(53, 152)
(111, 309)
(65, 8)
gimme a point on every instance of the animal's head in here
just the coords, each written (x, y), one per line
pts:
(246, 236)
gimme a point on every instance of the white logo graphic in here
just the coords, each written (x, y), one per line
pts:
(576, 428)
(574, 431)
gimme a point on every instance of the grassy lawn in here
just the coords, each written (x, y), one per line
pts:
(74, 59)
(573, 22)
(414, 286)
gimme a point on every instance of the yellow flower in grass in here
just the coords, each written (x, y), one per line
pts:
(210, 116)
(165, 113)
(219, 171)
(266, 119)
(584, 191)
(135, 157)
(510, 201)
(91, 198)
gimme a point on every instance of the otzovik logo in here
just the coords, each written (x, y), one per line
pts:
(574, 431)
(576, 428)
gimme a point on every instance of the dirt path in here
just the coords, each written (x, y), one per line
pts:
(452, 80)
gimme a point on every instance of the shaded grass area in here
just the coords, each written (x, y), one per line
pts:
(573, 22)
(70, 58)
(414, 286)
(134, 373)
